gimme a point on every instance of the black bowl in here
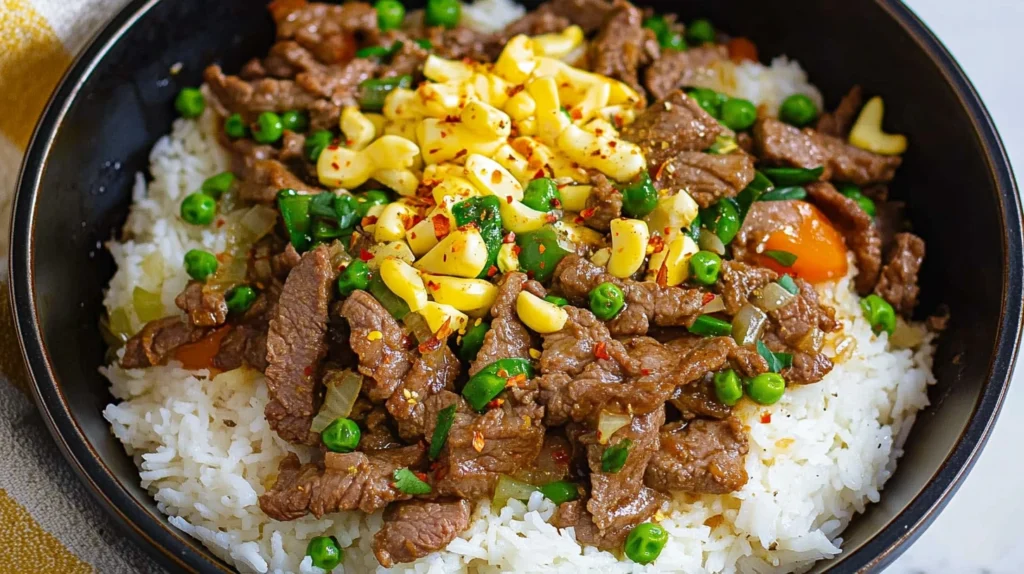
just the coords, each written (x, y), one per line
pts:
(116, 101)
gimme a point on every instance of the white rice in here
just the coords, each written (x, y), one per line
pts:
(491, 15)
(205, 450)
(765, 86)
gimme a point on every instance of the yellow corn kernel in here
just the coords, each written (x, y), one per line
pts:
(508, 259)
(601, 127)
(507, 157)
(358, 129)
(629, 246)
(593, 100)
(486, 120)
(520, 218)
(392, 152)
(378, 121)
(392, 220)
(558, 45)
(601, 256)
(345, 168)
(516, 60)
(372, 213)
(440, 100)
(439, 171)
(550, 118)
(403, 181)
(541, 156)
(461, 253)
(616, 158)
(489, 177)
(393, 250)
(455, 189)
(677, 259)
(421, 237)
(402, 128)
(672, 213)
(405, 282)
(435, 314)
(618, 115)
(574, 197)
(449, 141)
(461, 293)
(573, 83)
(402, 104)
(538, 314)
(578, 234)
(442, 70)
(867, 131)
(527, 127)
(520, 106)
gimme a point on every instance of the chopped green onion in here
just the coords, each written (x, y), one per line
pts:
(776, 361)
(560, 301)
(482, 388)
(784, 258)
(560, 491)
(614, 457)
(473, 340)
(374, 91)
(392, 303)
(790, 176)
(784, 194)
(407, 482)
(788, 284)
(708, 326)
(294, 208)
(509, 368)
(445, 418)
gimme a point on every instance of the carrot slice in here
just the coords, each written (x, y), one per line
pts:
(819, 248)
(742, 49)
(199, 355)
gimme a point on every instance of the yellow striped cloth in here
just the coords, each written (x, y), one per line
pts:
(48, 520)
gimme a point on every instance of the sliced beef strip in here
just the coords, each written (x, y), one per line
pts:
(575, 515)
(416, 528)
(428, 376)
(739, 281)
(623, 45)
(587, 14)
(798, 328)
(898, 281)
(781, 143)
(204, 307)
(676, 68)
(246, 343)
(342, 481)
(839, 122)
(543, 20)
(330, 31)
(763, 219)
(297, 345)
(386, 360)
(647, 303)
(603, 204)
(261, 181)
(156, 341)
(698, 400)
(699, 457)
(459, 43)
(507, 338)
(673, 124)
(858, 230)
(706, 177)
(408, 60)
(377, 433)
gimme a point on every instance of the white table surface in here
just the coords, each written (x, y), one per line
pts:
(979, 531)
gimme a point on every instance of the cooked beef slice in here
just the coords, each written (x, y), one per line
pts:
(261, 181)
(407, 61)
(799, 328)
(679, 68)
(543, 20)
(461, 43)
(386, 360)
(839, 122)
(204, 307)
(349, 481)
(416, 528)
(700, 457)
(706, 177)
(763, 219)
(376, 433)
(698, 399)
(156, 341)
(575, 515)
(619, 498)
(603, 204)
(623, 45)
(271, 258)
(429, 375)
(898, 281)
(781, 143)
(647, 303)
(246, 343)
(858, 230)
(738, 281)
(507, 338)
(330, 31)
(673, 124)
(297, 345)
(587, 14)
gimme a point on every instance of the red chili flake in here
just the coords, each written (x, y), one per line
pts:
(541, 248)
(556, 204)
(612, 144)
(560, 456)
(460, 153)
(576, 114)
(542, 265)
(420, 475)
(308, 371)
(433, 286)
(495, 403)
(540, 173)
(517, 250)
(368, 220)
(335, 165)
(516, 380)
(508, 199)
(434, 150)
(662, 279)
(766, 418)
(444, 135)
(645, 372)
(502, 373)
(578, 220)
(600, 351)
(332, 147)
(442, 226)
(452, 119)
(365, 255)
(513, 90)
(551, 218)
(599, 132)
(707, 298)
(657, 243)
(530, 273)
(510, 238)
(408, 342)
(492, 271)
(666, 230)
(220, 222)
(349, 142)
(413, 221)
(588, 212)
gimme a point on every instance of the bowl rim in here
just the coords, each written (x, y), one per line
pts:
(175, 549)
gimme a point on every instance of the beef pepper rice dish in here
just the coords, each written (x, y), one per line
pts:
(476, 289)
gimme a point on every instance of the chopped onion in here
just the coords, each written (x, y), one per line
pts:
(772, 297)
(509, 488)
(747, 325)
(708, 241)
(610, 422)
(906, 336)
(148, 306)
(258, 221)
(417, 325)
(812, 341)
(845, 348)
(714, 306)
(339, 257)
(342, 390)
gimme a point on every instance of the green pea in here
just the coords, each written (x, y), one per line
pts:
(700, 32)
(342, 435)
(645, 543)
(658, 25)
(365, 201)
(560, 301)
(728, 388)
(198, 208)
(443, 13)
(356, 275)
(473, 340)
(294, 120)
(316, 143)
(269, 128)
(708, 99)
(190, 103)
(879, 314)
(390, 14)
(606, 300)
(240, 298)
(482, 388)
(560, 491)
(325, 552)
(674, 41)
(216, 185)
(854, 193)
(639, 197)
(722, 219)
(766, 388)
(738, 114)
(542, 194)
(798, 110)
(705, 266)
(234, 126)
(200, 264)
